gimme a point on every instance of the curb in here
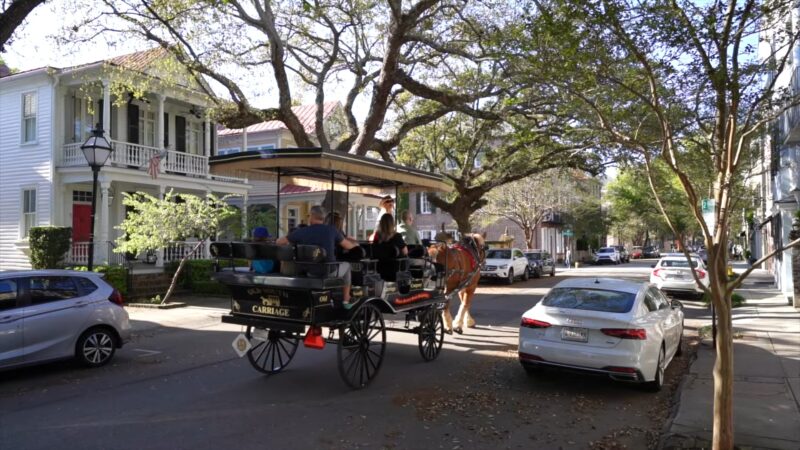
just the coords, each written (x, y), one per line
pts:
(667, 440)
(171, 305)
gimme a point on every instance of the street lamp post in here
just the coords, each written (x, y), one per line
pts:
(96, 150)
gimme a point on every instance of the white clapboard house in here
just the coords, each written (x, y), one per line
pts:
(45, 116)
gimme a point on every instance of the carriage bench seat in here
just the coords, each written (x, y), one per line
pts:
(305, 261)
(277, 280)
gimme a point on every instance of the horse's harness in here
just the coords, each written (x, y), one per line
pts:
(470, 247)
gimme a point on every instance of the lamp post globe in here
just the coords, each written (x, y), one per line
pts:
(96, 150)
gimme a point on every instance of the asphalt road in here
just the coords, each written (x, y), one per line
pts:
(180, 385)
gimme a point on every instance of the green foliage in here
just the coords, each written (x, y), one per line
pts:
(262, 216)
(737, 300)
(116, 276)
(48, 246)
(153, 223)
(196, 276)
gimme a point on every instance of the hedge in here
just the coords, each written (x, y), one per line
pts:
(116, 276)
(197, 276)
(48, 246)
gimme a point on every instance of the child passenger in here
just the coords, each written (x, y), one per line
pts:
(261, 234)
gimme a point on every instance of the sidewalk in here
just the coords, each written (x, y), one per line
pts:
(766, 377)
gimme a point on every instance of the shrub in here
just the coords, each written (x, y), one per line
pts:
(196, 276)
(116, 276)
(49, 245)
(737, 300)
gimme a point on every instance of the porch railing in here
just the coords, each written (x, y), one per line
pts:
(137, 157)
(177, 250)
(78, 254)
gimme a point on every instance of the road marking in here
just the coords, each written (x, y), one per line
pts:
(146, 353)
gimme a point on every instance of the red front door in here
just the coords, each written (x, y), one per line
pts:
(81, 222)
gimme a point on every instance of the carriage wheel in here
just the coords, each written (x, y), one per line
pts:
(271, 350)
(362, 343)
(431, 334)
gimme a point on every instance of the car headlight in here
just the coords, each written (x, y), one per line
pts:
(503, 266)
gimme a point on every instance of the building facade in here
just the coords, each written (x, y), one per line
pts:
(45, 116)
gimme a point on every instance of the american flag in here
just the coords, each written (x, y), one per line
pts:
(154, 165)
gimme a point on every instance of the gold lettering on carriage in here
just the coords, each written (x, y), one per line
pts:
(271, 311)
(270, 301)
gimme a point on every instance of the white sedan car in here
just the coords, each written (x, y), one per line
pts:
(625, 330)
(673, 274)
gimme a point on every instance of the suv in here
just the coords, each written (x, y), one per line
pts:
(606, 254)
(505, 263)
(540, 262)
(651, 252)
(623, 254)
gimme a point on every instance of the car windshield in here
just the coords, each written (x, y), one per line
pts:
(534, 256)
(499, 254)
(590, 299)
(678, 263)
(606, 250)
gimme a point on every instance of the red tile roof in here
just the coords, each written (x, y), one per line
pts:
(306, 114)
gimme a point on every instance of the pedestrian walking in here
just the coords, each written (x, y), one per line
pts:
(568, 259)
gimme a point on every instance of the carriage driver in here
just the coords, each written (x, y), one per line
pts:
(326, 237)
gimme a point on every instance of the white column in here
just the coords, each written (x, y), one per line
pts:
(786, 281)
(107, 109)
(244, 139)
(207, 140)
(101, 246)
(160, 122)
(160, 252)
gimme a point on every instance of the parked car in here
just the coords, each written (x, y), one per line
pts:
(540, 262)
(505, 263)
(623, 253)
(651, 252)
(621, 329)
(636, 252)
(56, 314)
(702, 253)
(606, 255)
(673, 274)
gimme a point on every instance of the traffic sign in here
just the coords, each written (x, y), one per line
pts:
(567, 233)
(707, 205)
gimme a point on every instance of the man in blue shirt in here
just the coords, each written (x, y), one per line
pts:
(323, 236)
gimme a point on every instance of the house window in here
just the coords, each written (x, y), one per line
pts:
(147, 127)
(28, 211)
(81, 196)
(194, 138)
(29, 108)
(478, 160)
(228, 151)
(450, 164)
(425, 206)
(292, 215)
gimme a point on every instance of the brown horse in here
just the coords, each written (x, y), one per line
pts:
(463, 261)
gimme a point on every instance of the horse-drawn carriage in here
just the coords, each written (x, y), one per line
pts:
(279, 310)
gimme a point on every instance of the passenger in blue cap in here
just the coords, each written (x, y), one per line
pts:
(261, 234)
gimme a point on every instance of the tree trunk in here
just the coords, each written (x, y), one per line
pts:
(178, 271)
(462, 219)
(723, 365)
(13, 16)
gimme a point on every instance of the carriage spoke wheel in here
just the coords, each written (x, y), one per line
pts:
(271, 351)
(431, 334)
(362, 343)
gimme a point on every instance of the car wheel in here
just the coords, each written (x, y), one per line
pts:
(537, 272)
(510, 279)
(553, 271)
(96, 347)
(525, 275)
(658, 382)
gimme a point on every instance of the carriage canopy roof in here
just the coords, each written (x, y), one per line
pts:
(314, 167)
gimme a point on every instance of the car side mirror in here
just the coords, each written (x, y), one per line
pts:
(676, 304)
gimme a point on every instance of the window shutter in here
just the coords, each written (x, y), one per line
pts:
(133, 123)
(213, 135)
(180, 134)
(418, 198)
(166, 130)
(100, 110)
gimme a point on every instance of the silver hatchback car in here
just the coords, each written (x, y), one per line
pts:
(57, 314)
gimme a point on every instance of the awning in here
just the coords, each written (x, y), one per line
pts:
(315, 168)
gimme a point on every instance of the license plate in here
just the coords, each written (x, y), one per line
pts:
(574, 334)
